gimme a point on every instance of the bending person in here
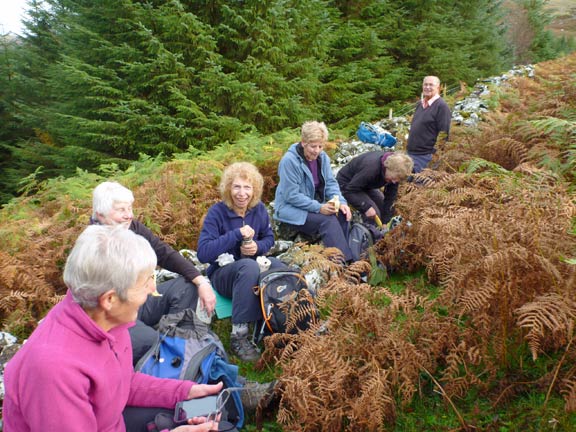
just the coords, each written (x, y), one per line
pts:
(75, 371)
(306, 188)
(362, 178)
(112, 205)
(235, 232)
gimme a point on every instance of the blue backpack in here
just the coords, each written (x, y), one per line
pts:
(187, 349)
(371, 134)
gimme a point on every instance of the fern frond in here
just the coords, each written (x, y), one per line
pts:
(549, 317)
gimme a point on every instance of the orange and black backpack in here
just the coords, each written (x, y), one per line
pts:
(288, 305)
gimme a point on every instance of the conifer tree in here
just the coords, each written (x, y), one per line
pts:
(100, 82)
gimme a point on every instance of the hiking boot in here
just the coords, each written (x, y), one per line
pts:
(244, 349)
(254, 392)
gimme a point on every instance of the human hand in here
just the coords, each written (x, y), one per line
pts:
(328, 208)
(201, 390)
(198, 424)
(206, 296)
(249, 249)
(346, 211)
(370, 212)
(247, 232)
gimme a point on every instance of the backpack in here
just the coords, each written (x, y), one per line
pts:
(287, 304)
(187, 349)
(373, 134)
(360, 238)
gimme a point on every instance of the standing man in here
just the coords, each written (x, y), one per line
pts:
(432, 116)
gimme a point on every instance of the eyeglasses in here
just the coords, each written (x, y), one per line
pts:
(215, 415)
(221, 402)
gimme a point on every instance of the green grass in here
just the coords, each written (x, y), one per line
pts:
(526, 413)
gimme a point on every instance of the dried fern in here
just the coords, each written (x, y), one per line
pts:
(549, 317)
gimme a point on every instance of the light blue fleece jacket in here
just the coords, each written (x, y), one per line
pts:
(295, 192)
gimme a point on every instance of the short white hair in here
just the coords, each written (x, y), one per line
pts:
(434, 78)
(106, 194)
(103, 258)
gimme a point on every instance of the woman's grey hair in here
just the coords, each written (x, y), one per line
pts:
(244, 171)
(106, 194)
(104, 258)
(313, 131)
(399, 164)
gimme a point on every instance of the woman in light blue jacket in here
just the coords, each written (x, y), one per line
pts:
(308, 197)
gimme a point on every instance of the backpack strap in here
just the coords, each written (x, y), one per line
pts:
(153, 352)
(198, 364)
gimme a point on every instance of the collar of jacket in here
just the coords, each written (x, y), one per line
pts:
(300, 151)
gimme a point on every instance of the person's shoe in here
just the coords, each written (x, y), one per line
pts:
(254, 392)
(244, 349)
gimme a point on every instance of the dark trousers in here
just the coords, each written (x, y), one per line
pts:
(332, 229)
(420, 161)
(177, 294)
(237, 281)
(136, 419)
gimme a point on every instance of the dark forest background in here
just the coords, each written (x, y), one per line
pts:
(95, 85)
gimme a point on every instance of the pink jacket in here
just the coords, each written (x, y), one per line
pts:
(73, 376)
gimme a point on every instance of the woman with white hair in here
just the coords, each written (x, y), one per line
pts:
(75, 371)
(308, 198)
(112, 205)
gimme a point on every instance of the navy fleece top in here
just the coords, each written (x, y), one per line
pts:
(221, 233)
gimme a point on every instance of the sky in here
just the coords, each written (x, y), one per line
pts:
(11, 12)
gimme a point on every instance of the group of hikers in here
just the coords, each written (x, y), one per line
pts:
(76, 371)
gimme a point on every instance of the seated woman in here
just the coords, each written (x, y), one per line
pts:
(360, 181)
(75, 371)
(112, 205)
(238, 225)
(306, 188)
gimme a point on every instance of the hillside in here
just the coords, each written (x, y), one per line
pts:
(564, 17)
(479, 299)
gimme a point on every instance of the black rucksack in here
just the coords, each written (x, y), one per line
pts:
(287, 304)
(360, 239)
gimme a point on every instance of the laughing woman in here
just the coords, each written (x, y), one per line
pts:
(236, 231)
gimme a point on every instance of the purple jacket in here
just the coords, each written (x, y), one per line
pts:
(221, 233)
(73, 376)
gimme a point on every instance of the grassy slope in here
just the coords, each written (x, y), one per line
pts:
(564, 23)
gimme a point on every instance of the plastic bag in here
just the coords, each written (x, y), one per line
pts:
(372, 134)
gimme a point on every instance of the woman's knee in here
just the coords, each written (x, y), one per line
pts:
(247, 274)
(248, 266)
